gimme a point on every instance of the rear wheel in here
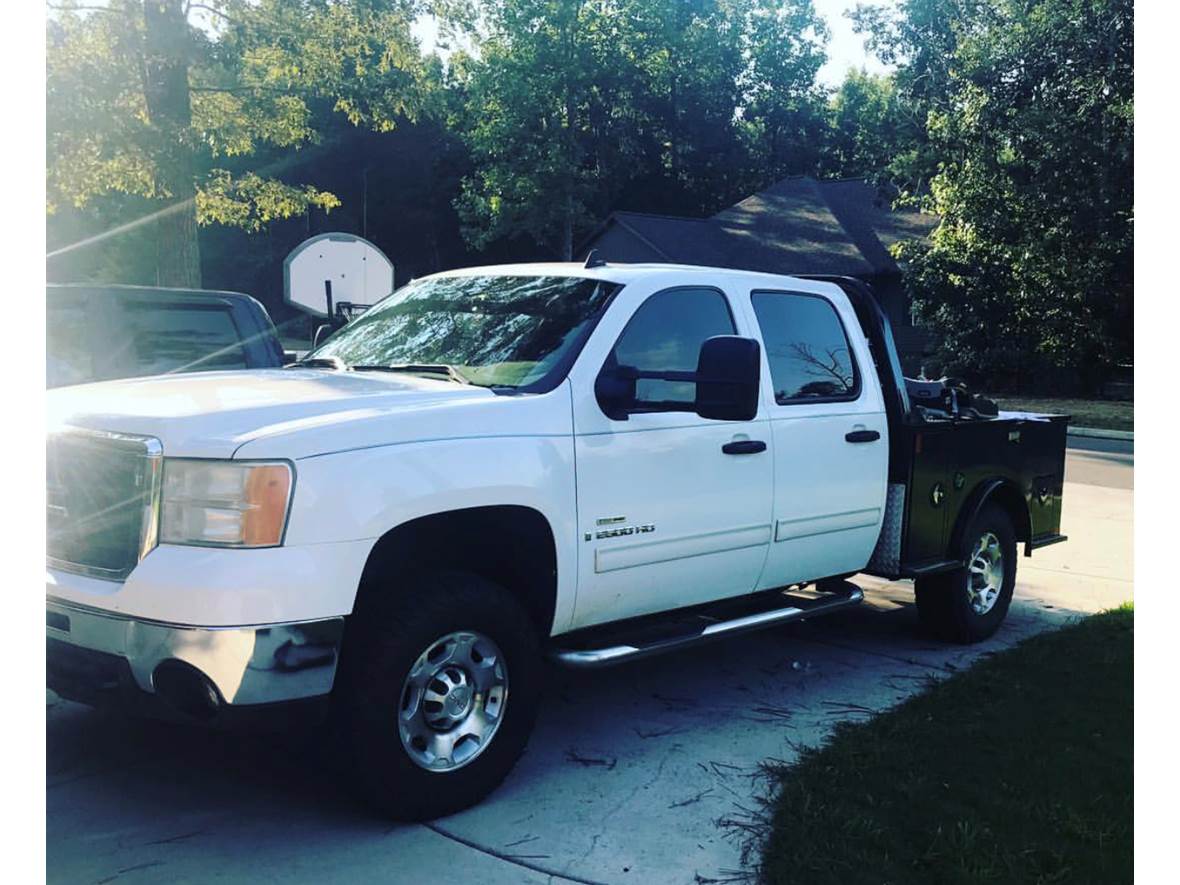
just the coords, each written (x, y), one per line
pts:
(439, 694)
(969, 603)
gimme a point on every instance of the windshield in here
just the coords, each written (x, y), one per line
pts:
(494, 331)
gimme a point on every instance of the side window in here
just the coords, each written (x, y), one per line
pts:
(665, 335)
(809, 355)
(182, 338)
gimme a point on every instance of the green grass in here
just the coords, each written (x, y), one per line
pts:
(1108, 414)
(1017, 770)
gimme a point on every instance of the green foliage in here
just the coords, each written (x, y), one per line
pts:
(782, 107)
(571, 107)
(96, 115)
(871, 133)
(921, 38)
(161, 105)
(1028, 280)
(359, 56)
(250, 201)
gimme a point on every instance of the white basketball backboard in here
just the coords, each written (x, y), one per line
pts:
(348, 267)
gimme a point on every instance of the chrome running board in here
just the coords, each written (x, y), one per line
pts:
(604, 646)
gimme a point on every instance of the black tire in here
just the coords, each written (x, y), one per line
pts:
(945, 607)
(393, 630)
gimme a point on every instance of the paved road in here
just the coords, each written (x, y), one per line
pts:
(625, 780)
(1100, 462)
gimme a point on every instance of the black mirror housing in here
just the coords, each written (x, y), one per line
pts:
(729, 371)
(615, 391)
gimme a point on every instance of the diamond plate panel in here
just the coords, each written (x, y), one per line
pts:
(886, 559)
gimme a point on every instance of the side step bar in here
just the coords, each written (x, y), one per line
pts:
(702, 626)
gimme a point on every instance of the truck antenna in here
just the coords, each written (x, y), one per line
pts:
(594, 260)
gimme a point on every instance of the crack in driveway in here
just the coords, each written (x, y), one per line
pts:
(508, 858)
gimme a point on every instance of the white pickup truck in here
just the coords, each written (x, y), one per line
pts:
(492, 466)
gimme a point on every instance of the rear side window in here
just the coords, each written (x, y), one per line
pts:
(808, 351)
(182, 338)
(665, 335)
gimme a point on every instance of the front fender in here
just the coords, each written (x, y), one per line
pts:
(362, 494)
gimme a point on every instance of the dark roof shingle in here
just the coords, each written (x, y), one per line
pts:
(796, 226)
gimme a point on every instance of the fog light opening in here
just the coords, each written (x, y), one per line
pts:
(186, 689)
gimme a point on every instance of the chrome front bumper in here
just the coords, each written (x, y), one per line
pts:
(244, 665)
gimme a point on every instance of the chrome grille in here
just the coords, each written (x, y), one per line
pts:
(102, 501)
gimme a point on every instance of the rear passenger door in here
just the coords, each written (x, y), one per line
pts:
(830, 437)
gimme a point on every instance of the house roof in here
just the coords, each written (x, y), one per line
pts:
(674, 238)
(795, 226)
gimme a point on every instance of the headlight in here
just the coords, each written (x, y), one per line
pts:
(224, 503)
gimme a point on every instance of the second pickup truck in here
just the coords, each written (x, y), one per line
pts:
(497, 465)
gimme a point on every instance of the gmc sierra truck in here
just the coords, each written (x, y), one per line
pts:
(499, 465)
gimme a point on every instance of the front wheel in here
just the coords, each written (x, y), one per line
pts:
(969, 604)
(440, 694)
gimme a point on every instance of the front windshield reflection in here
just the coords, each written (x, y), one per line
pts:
(494, 331)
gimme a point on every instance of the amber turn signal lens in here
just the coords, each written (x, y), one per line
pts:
(267, 490)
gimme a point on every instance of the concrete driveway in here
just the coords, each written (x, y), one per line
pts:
(626, 779)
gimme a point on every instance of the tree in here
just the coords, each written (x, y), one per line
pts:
(575, 107)
(1029, 277)
(170, 100)
(870, 131)
(920, 37)
(782, 106)
(530, 95)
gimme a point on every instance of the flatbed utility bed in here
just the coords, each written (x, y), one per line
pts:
(1012, 454)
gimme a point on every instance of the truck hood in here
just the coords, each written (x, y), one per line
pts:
(213, 414)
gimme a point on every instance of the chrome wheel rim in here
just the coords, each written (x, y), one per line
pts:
(985, 574)
(453, 701)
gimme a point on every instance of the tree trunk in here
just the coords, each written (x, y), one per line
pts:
(178, 255)
(166, 93)
(567, 233)
(571, 154)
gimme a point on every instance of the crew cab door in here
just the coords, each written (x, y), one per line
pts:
(666, 518)
(829, 434)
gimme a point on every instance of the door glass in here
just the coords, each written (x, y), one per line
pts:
(809, 355)
(665, 335)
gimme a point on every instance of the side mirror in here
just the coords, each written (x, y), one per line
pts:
(615, 391)
(289, 356)
(728, 374)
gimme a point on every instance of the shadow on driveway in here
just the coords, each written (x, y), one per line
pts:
(625, 779)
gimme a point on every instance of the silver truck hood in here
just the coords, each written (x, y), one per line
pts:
(213, 414)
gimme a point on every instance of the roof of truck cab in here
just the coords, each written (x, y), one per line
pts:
(622, 273)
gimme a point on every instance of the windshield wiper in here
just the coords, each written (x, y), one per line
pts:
(319, 362)
(450, 372)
